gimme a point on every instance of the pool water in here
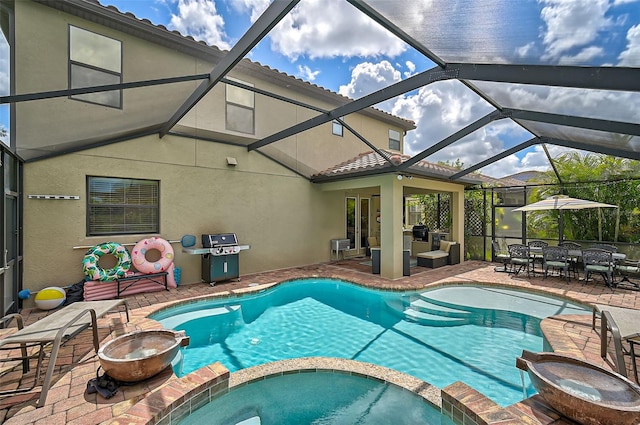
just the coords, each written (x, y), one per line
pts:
(295, 399)
(331, 318)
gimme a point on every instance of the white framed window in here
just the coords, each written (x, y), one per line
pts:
(394, 139)
(117, 206)
(95, 60)
(336, 128)
(240, 108)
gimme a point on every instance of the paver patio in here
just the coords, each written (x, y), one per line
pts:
(77, 362)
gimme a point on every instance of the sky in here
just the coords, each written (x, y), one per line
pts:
(333, 45)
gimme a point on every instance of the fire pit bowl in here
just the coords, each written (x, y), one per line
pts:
(139, 355)
(582, 391)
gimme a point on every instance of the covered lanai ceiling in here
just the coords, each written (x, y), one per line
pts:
(466, 44)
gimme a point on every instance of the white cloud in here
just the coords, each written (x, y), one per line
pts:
(572, 24)
(200, 19)
(586, 55)
(411, 69)
(631, 55)
(306, 73)
(439, 110)
(369, 77)
(329, 29)
(253, 7)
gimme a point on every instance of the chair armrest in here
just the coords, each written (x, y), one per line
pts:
(6, 320)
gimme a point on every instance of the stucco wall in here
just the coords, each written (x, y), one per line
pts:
(286, 220)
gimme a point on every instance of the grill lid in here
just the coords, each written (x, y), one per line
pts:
(220, 239)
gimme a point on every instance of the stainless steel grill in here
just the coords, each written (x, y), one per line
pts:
(219, 257)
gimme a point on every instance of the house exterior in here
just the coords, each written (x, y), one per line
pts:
(96, 168)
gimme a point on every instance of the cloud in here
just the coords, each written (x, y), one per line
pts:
(411, 69)
(329, 29)
(368, 77)
(200, 19)
(306, 73)
(631, 55)
(439, 110)
(572, 24)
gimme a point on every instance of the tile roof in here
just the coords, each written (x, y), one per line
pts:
(368, 161)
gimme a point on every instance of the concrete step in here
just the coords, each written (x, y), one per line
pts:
(434, 319)
(180, 319)
(428, 307)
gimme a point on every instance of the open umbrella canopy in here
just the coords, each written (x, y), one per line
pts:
(563, 203)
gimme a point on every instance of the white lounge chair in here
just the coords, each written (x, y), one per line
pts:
(54, 329)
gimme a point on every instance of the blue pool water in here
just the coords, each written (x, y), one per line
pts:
(455, 334)
(294, 399)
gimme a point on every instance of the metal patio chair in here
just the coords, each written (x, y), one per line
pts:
(626, 269)
(574, 259)
(556, 257)
(520, 258)
(501, 255)
(606, 247)
(598, 261)
(535, 248)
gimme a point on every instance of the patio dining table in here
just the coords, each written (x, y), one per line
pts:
(577, 254)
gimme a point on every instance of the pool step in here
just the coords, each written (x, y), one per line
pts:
(426, 306)
(434, 319)
(178, 320)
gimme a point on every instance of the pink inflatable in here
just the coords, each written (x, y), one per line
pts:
(139, 255)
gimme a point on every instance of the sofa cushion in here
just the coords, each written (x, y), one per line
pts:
(433, 254)
(372, 241)
(446, 245)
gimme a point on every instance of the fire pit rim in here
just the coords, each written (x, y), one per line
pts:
(177, 336)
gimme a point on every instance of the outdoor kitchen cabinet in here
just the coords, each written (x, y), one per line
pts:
(216, 268)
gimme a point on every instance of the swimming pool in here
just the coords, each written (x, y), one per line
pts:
(293, 399)
(467, 334)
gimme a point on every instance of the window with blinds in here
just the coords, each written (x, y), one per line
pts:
(122, 206)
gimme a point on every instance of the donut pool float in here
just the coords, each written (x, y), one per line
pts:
(139, 255)
(93, 270)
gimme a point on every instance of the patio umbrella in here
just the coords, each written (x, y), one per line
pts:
(561, 202)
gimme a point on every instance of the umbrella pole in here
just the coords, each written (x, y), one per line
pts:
(561, 227)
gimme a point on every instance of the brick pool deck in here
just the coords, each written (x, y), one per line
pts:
(68, 402)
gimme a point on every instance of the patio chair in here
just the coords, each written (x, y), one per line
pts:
(606, 247)
(520, 258)
(54, 329)
(501, 255)
(535, 248)
(555, 257)
(628, 268)
(574, 259)
(622, 322)
(598, 261)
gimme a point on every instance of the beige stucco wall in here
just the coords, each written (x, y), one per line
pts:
(42, 65)
(286, 220)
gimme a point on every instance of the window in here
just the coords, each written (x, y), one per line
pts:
(240, 108)
(336, 128)
(394, 140)
(95, 60)
(121, 206)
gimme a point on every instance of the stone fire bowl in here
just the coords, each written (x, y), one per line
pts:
(582, 391)
(139, 355)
